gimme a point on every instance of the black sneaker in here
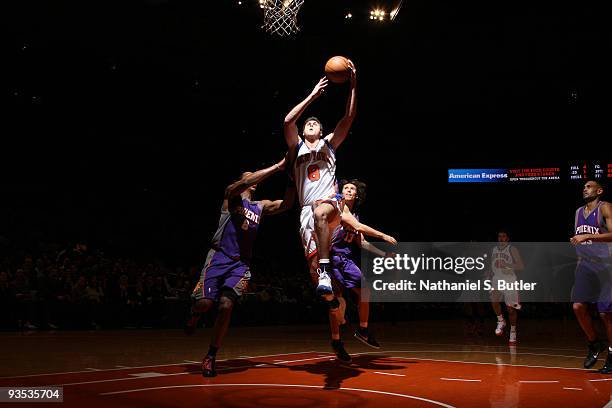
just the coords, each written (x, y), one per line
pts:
(367, 338)
(208, 366)
(192, 324)
(607, 368)
(595, 348)
(341, 353)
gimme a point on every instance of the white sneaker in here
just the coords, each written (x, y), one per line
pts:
(325, 285)
(499, 330)
(512, 339)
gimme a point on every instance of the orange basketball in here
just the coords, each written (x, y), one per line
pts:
(337, 69)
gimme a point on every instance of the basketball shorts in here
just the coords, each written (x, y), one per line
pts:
(307, 228)
(219, 272)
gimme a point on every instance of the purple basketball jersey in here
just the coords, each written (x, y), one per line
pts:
(592, 223)
(345, 241)
(237, 229)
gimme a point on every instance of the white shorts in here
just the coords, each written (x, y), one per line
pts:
(307, 228)
(509, 296)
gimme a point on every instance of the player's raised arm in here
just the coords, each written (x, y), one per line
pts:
(248, 179)
(350, 220)
(279, 206)
(343, 126)
(290, 129)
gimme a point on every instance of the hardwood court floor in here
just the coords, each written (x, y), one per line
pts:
(422, 363)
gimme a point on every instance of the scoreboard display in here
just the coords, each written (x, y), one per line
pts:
(585, 170)
(576, 171)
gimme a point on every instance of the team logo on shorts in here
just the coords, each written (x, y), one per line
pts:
(242, 285)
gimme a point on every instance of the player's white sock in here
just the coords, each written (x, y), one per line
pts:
(512, 328)
(500, 318)
(323, 264)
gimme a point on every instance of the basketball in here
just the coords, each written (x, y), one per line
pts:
(337, 69)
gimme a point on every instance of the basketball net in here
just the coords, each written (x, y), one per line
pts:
(280, 16)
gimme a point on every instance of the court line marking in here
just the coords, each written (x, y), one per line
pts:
(328, 356)
(319, 358)
(151, 366)
(465, 362)
(395, 375)
(147, 375)
(187, 372)
(441, 344)
(539, 382)
(288, 361)
(571, 388)
(304, 352)
(283, 385)
(494, 364)
(303, 359)
(123, 379)
(601, 379)
(490, 346)
(459, 379)
(482, 352)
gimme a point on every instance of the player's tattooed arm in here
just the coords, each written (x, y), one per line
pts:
(343, 126)
(290, 129)
(279, 206)
(350, 220)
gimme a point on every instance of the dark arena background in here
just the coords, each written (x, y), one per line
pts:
(126, 120)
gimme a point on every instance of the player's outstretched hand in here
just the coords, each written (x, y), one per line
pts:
(281, 164)
(319, 88)
(389, 239)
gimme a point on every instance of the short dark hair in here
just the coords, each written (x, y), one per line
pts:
(599, 183)
(503, 231)
(361, 190)
(315, 119)
(312, 118)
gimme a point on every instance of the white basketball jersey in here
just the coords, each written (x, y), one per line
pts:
(315, 172)
(501, 254)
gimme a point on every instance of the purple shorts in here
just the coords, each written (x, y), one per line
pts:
(593, 284)
(221, 271)
(346, 272)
